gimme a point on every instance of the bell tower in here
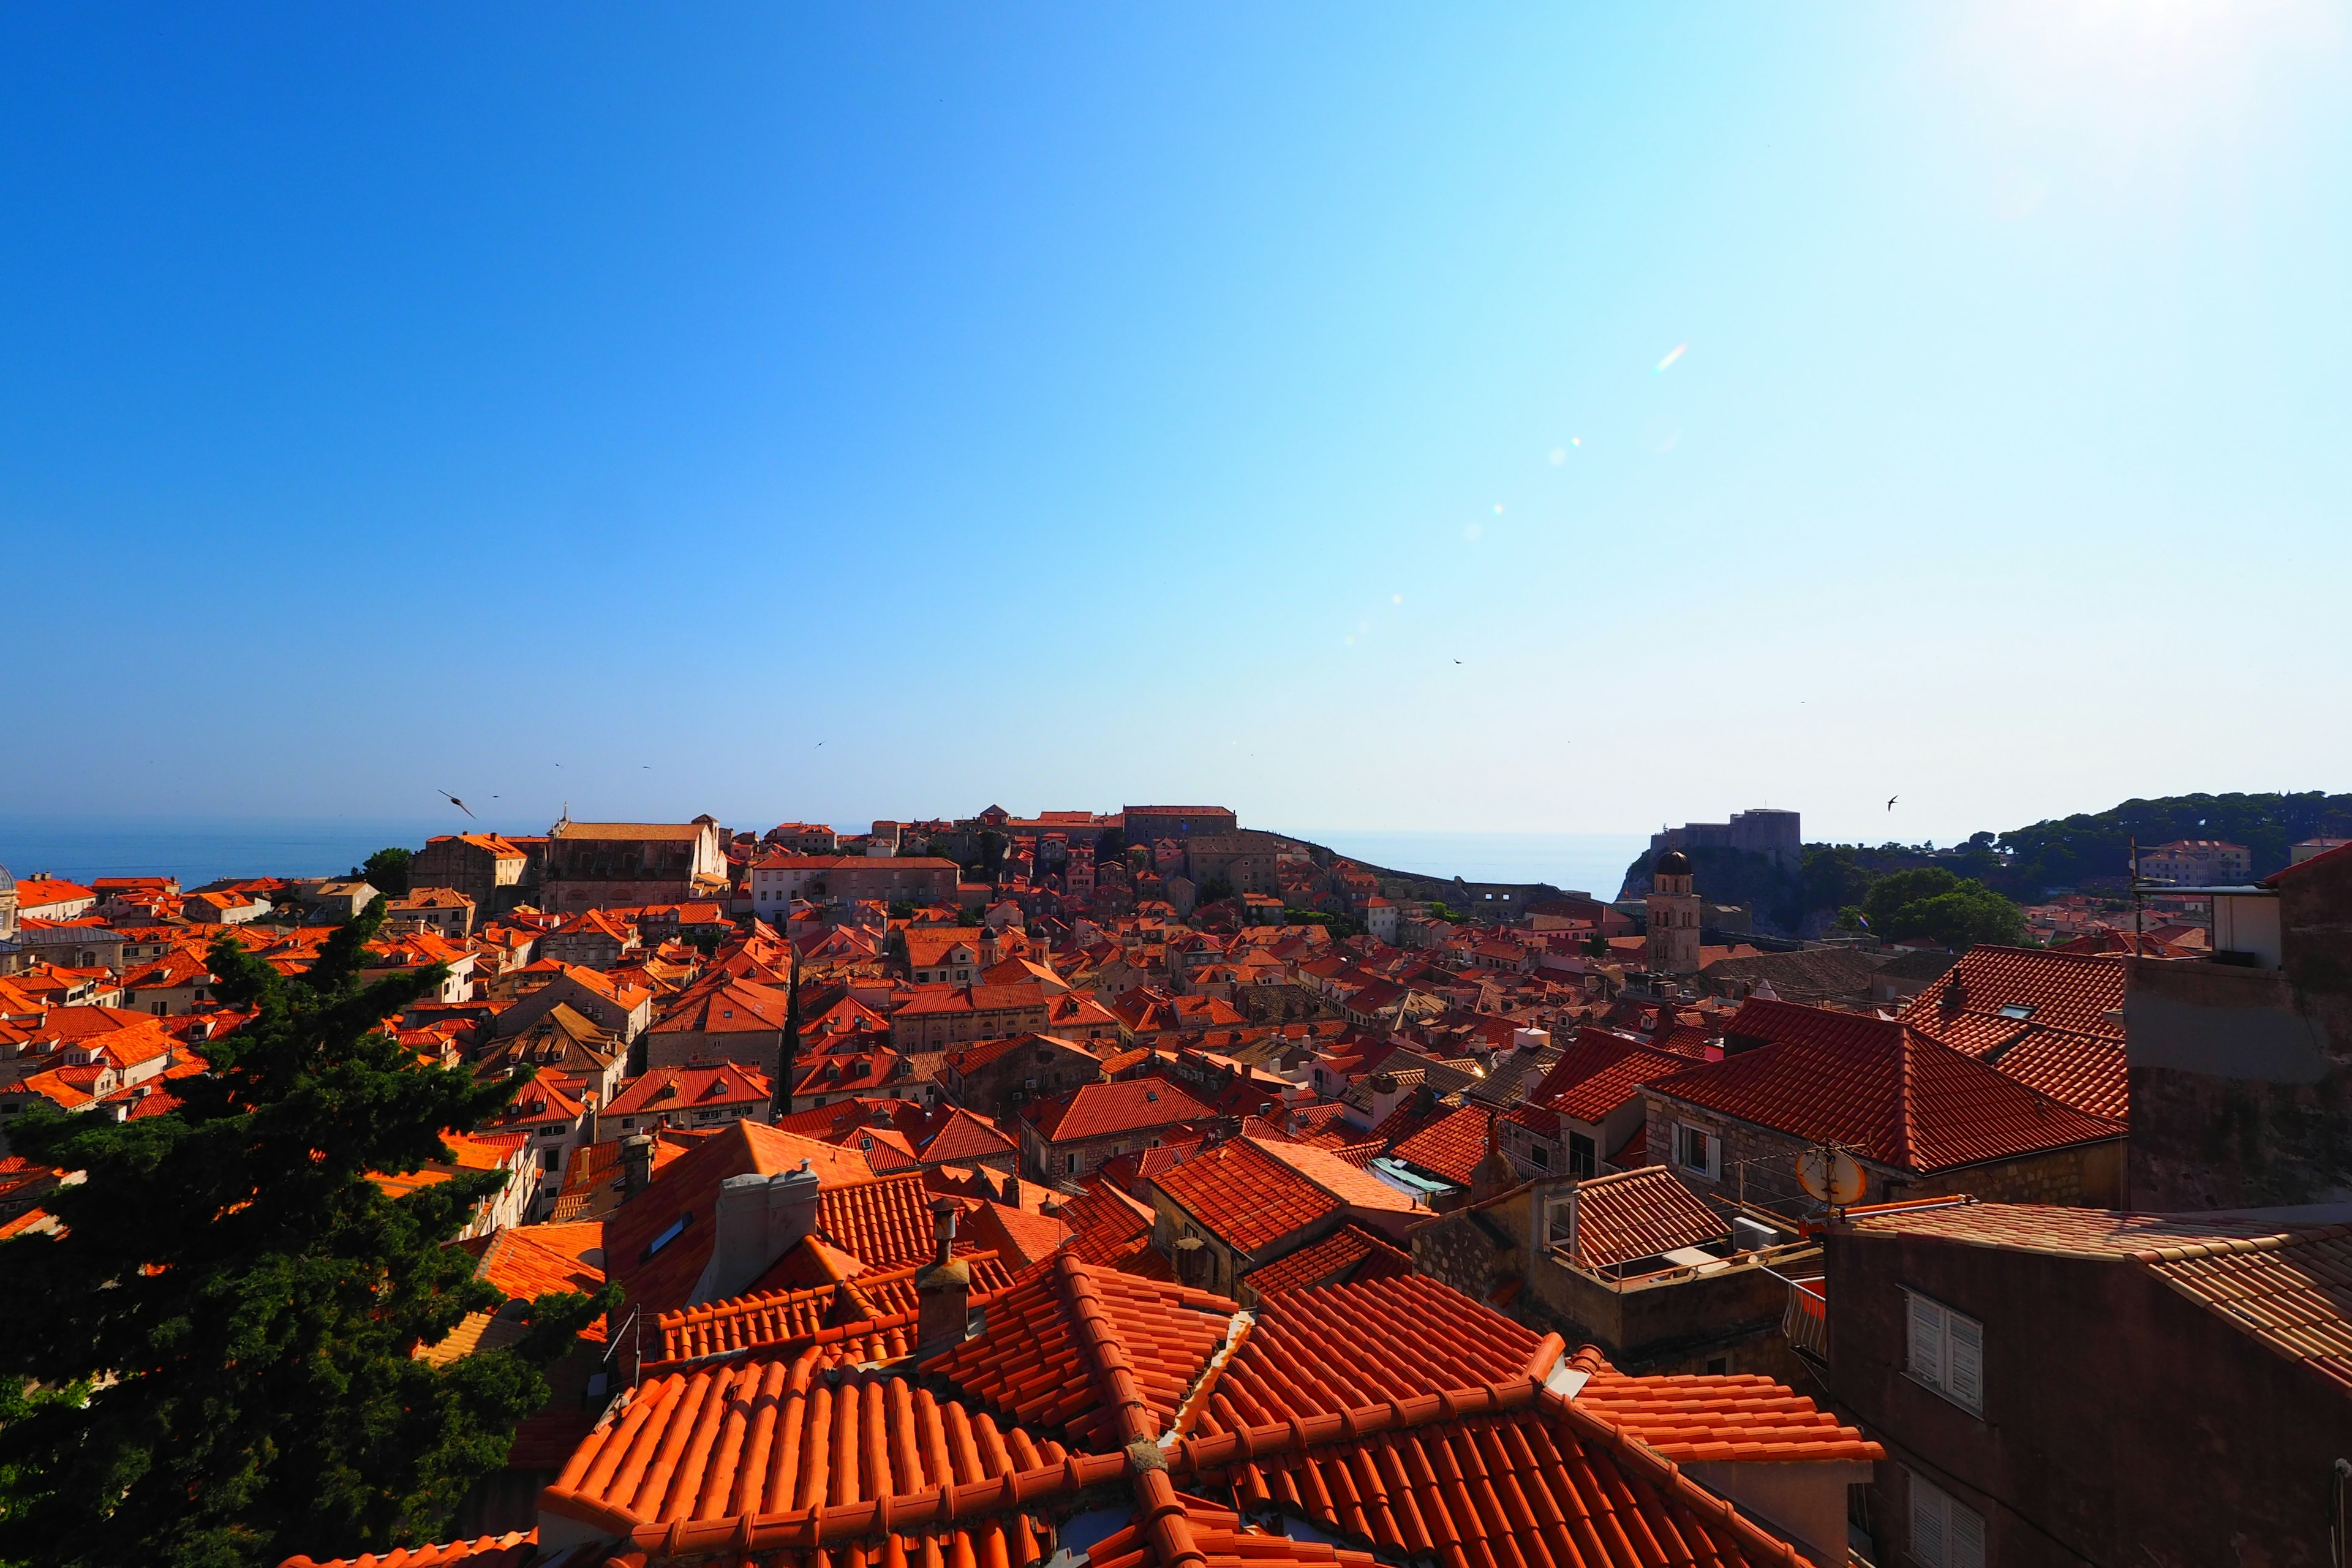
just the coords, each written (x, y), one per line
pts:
(1674, 916)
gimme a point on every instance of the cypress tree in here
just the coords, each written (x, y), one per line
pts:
(242, 1300)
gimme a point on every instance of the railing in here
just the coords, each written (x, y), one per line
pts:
(1806, 1321)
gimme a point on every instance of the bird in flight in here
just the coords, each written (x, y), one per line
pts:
(1457, 661)
(1891, 800)
(453, 800)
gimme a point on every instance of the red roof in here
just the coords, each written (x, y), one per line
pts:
(1244, 1196)
(1740, 1415)
(1640, 1214)
(774, 1459)
(1404, 1337)
(2041, 1017)
(1451, 1146)
(1108, 1110)
(1348, 1255)
(660, 1278)
(1888, 1092)
(1033, 1358)
(512, 1549)
(1599, 1072)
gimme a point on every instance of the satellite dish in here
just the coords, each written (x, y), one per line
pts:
(1832, 1175)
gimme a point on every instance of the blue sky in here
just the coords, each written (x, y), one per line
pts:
(845, 412)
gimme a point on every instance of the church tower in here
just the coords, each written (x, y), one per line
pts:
(1674, 916)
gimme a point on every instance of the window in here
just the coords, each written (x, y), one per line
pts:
(1540, 1152)
(2018, 1010)
(1698, 1151)
(1945, 1531)
(1947, 1351)
(1580, 1160)
(677, 1227)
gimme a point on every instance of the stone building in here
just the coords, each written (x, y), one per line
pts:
(1674, 915)
(1632, 1262)
(2256, 1039)
(1921, 1117)
(2070, 1385)
(495, 871)
(594, 864)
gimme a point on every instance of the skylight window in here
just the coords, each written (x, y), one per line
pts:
(1152, 1096)
(2018, 1010)
(677, 1228)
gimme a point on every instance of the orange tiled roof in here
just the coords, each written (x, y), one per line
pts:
(1733, 1417)
(1598, 1072)
(1039, 1357)
(1889, 1092)
(769, 1461)
(1640, 1214)
(1348, 1255)
(533, 1261)
(1103, 1110)
(1452, 1146)
(1406, 1337)
(1244, 1196)
(764, 1319)
(512, 1549)
(2055, 1035)
(658, 1280)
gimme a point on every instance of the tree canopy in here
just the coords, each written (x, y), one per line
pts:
(242, 1299)
(1933, 902)
(386, 870)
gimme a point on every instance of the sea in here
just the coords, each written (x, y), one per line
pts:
(1591, 863)
(200, 850)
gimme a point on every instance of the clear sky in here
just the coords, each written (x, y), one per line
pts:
(1546, 419)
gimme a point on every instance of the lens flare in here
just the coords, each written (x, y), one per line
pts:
(1671, 354)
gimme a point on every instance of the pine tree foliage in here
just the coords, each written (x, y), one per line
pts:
(243, 1302)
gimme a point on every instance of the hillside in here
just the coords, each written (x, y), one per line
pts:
(2025, 864)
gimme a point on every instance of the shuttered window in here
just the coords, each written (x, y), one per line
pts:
(1945, 1531)
(1947, 1351)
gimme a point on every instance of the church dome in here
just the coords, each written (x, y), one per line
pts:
(8, 883)
(1673, 863)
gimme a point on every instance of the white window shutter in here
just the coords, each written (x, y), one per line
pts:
(1927, 1340)
(1964, 1368)
(1927, 1525)
(1964, 1536)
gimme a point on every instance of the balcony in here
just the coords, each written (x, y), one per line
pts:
(1806, 1319)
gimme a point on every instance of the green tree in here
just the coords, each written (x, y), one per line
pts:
(1216, 890)
(387, 871)
(1596, 945)
(1932, 903)
(242, 1299)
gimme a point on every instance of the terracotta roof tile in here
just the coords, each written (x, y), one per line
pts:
(1348, 1255)
(1043, 1360)
(512, 1549)
(1730, 1417)
(1451, 1146)
(1640, 1214)
(1887, 1091)
(1244, 1196)
(1104, 1110)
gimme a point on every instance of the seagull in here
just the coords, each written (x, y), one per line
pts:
(1457, 661)
(1891, 800)
(453, 800)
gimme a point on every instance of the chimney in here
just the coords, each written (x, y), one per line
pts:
(1012, 1191)
(760, 1219)
(636, 1163)
(942, 1291)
